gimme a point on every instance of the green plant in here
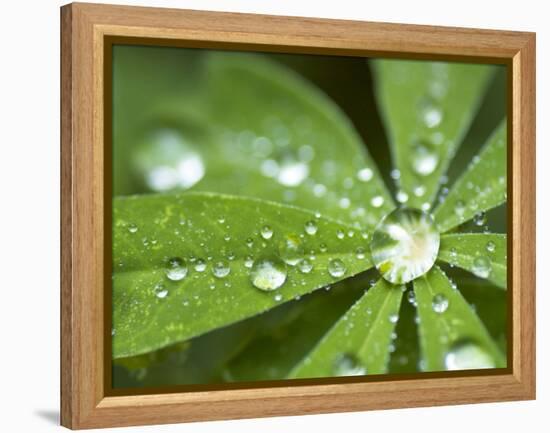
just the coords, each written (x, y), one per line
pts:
(221, 282)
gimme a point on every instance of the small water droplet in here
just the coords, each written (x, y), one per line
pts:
(467, 355)
(248, 261)
(291, 250)
(221, 269)
(402, 196)
(393, 318)
(266, 232)
(419, 190)
(482, 266)
(227, 238)
(348, 365)
(292, 173)
(319, 190)
(311, 227)
(323, 248)
(440, 303)
(365, 174)
(268, 274)
(176, 269)
(395, 174)
(132, 228)
(360, 253)
(305, 266)
(221, 219)
(377, 201)
(480, 219)
(336, 268)
(200, 265)
(340, 234)
(432, 115)
(278, 297)
(424, 160)
(160, 291)
(490, 246)
(460, 207)
(411, 297)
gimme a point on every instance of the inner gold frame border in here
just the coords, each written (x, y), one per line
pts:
(88, 32)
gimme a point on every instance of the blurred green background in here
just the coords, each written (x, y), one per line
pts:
(161, 88)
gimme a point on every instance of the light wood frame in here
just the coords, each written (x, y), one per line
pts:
(84, 400)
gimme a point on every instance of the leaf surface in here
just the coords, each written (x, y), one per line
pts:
(483, 254)
(452, 337)
(480, 188)
(427, 108)
(358, 343)
(167, 249)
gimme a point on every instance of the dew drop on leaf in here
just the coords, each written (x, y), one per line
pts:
(424, 160)
(467, 355)
(266, 232)
(268, 274)
(490, 246)
(404, 245)
(291, 250)
(393, 318)
(336, 268)
(360, 253)
(176, 269)
(365, 174)
(340, 234)
(160, 291)
(377, 201)
(200, 265)
(305, 266)
(440, 303)
(221, 269)
(481, 266)
(132, 228)
(348, 365)
(311, 227)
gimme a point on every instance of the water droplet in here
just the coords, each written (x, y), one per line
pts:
(160, 291)
(377, 201)
(132, 228)
(404, 245)
(340, 234)
(360, 253)
(348, 365)
(221, 269)
(460, 207)
(319, 190)
(482, 266)
(266, 232)
(249, 242)
(311, 227)
(305, 266)
(268, 274)
(221, 219)
(227, 238)
(323, 248)
(278, 297)
(344, 203)
(395, 174)
(176, 269)
(490, 246)
(402, 196)
(336, 268)
(467, 355)
(440, 303)
(411, 297)
(432, 115)
(480, 219)
(365, 174)
(292, 173)
(248, 261)
(291, 250)
(424, 160)
(200, 265)
(393, 318)
(419, 190)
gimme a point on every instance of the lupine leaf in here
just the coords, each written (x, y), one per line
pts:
(452, 337)
(480, 188)
(358, 343)
(483, 254)
(427, 108)
(152, 233)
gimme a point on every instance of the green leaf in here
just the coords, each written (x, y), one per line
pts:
(263, 131)
(452, 337)
(152, 233)
(483, 254)
(427, 108)
(277, 349)
(480, 188)
(358, 343)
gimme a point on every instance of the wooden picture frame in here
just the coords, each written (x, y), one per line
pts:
(87, 32)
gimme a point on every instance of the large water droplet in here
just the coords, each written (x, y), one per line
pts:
(268, 274)
(482, 266)
(176, 269)
(266, 232)
(440, 303)
(424, 160)
(404, 245)
(467, 355)
(348, 365)
(221, 269)
(336, 268)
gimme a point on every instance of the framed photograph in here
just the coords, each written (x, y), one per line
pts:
(266, 215)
